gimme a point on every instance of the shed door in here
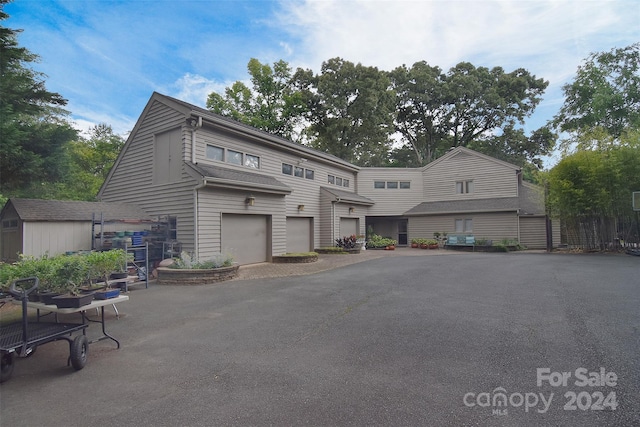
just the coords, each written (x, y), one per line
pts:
(245, 237)
(533, 232)
(348, 226)
(299, 235)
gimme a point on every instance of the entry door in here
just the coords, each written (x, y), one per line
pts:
(402, 232)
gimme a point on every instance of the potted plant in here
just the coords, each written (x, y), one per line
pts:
(102, 265)
(71, 272)
(414, 243)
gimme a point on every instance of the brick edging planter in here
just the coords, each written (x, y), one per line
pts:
(283, 259)
(176, 276)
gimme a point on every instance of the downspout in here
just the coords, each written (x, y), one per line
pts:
(196, 246)
(195, 125)
(333, 219)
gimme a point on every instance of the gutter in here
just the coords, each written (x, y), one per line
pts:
(195, 124)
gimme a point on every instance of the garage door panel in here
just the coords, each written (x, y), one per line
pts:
(245, 237)
(299, 232)
(348, 226)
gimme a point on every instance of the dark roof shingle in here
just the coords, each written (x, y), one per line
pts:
(71, 210)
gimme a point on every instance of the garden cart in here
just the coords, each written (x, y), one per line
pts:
(22, 338)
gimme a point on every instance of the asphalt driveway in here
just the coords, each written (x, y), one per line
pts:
(471, 339)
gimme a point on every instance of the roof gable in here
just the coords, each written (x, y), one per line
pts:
(466, 151)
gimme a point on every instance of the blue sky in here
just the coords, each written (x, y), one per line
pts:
(107, 57)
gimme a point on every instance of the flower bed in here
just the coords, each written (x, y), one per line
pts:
(200, 276)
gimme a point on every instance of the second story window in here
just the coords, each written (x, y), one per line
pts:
(252, 161)
(298, 171)
(339, 181)
(464, 187)
(233, 157)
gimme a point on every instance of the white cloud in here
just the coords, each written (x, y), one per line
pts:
(195, 89)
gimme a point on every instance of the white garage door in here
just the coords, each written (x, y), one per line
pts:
(299, 235)
(348, 226)
(246, 237)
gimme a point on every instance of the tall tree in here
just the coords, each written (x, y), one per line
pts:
(419, 103)
(272, 104)
(91, 160)
(437, 111)
(605, 93)
(351, 111)
(32, 124)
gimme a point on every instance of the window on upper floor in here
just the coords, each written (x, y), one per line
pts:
(392, 185)
(309, 174)
(338, 180)
(298, 171)
(464, 187)
(252, 161)
(215, 153)
(234, 157)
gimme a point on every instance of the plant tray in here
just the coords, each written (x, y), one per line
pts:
(108, 294)
(47, 297)
(73, 301)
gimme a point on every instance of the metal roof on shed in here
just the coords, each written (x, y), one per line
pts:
(68, 210)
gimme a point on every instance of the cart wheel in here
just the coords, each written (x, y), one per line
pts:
(79, 350)
(8, 362)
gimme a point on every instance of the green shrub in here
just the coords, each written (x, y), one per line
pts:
(375, 242)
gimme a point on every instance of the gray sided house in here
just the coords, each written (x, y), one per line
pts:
(38, 227)
(233, 188)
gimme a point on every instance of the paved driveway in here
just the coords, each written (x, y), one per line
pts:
(438, 340)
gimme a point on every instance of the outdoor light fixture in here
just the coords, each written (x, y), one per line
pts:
(300, 207)
(250, 200)
(352, 210)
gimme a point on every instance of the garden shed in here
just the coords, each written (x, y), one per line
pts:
(37, 227)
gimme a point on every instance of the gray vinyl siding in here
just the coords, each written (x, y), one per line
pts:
(490, 178)
(212, 203)
(390, 201)
(494, 226)
(132, 180)
(304, 191)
